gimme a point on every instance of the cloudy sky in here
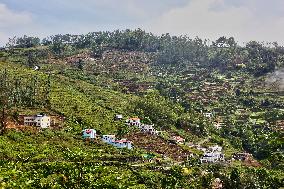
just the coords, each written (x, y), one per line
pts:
(261, 20)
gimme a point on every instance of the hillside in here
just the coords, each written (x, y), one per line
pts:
(208, 95)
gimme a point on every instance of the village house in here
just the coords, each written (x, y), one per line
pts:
(39, 120)
(118, 117)
(123, 143)
(143, 127)
(108, 138)
(147, 128)
(212, 155)
(208, 114)
(218, 124)
(133, 121)
(89, 134)
(177, 140)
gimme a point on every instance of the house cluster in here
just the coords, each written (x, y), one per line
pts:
(212, 155)
(90, 134)
(143, 127)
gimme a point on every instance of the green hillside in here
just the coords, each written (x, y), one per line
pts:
(90, 105)
(220, 94)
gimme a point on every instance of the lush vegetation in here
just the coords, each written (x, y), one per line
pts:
(166, 80)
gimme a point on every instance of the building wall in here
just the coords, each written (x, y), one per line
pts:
(38, 121)
(91, 135)
(108, 138)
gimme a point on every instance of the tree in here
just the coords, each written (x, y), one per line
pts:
(159, 110)
(27, 42)
(4, 101)
(80, 64)
(235, 179)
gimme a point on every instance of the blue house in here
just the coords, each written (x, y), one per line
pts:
(89, 134)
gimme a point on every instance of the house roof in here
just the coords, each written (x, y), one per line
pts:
(135, 118)
(109, 136)
(123, 141)
(89, 130)
(178, 138)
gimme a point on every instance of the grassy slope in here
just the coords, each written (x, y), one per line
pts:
(74, 98)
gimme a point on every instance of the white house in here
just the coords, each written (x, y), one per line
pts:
(148, 128)
(123, 143)
(39, 120)
(143, 127)
(218, 125)
(212, 155)
(208, 114)
(108, 138)
(89, 133)
(118, 117)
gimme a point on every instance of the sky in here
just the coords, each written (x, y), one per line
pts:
(245, 20)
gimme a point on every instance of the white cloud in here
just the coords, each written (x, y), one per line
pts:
(10, 19)
(3, 38)
(245, 20)
(211, 19)
(13, 23)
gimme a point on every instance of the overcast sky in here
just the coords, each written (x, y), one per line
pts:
(261, 20)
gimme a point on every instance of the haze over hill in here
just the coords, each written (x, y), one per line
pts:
(276, 79)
